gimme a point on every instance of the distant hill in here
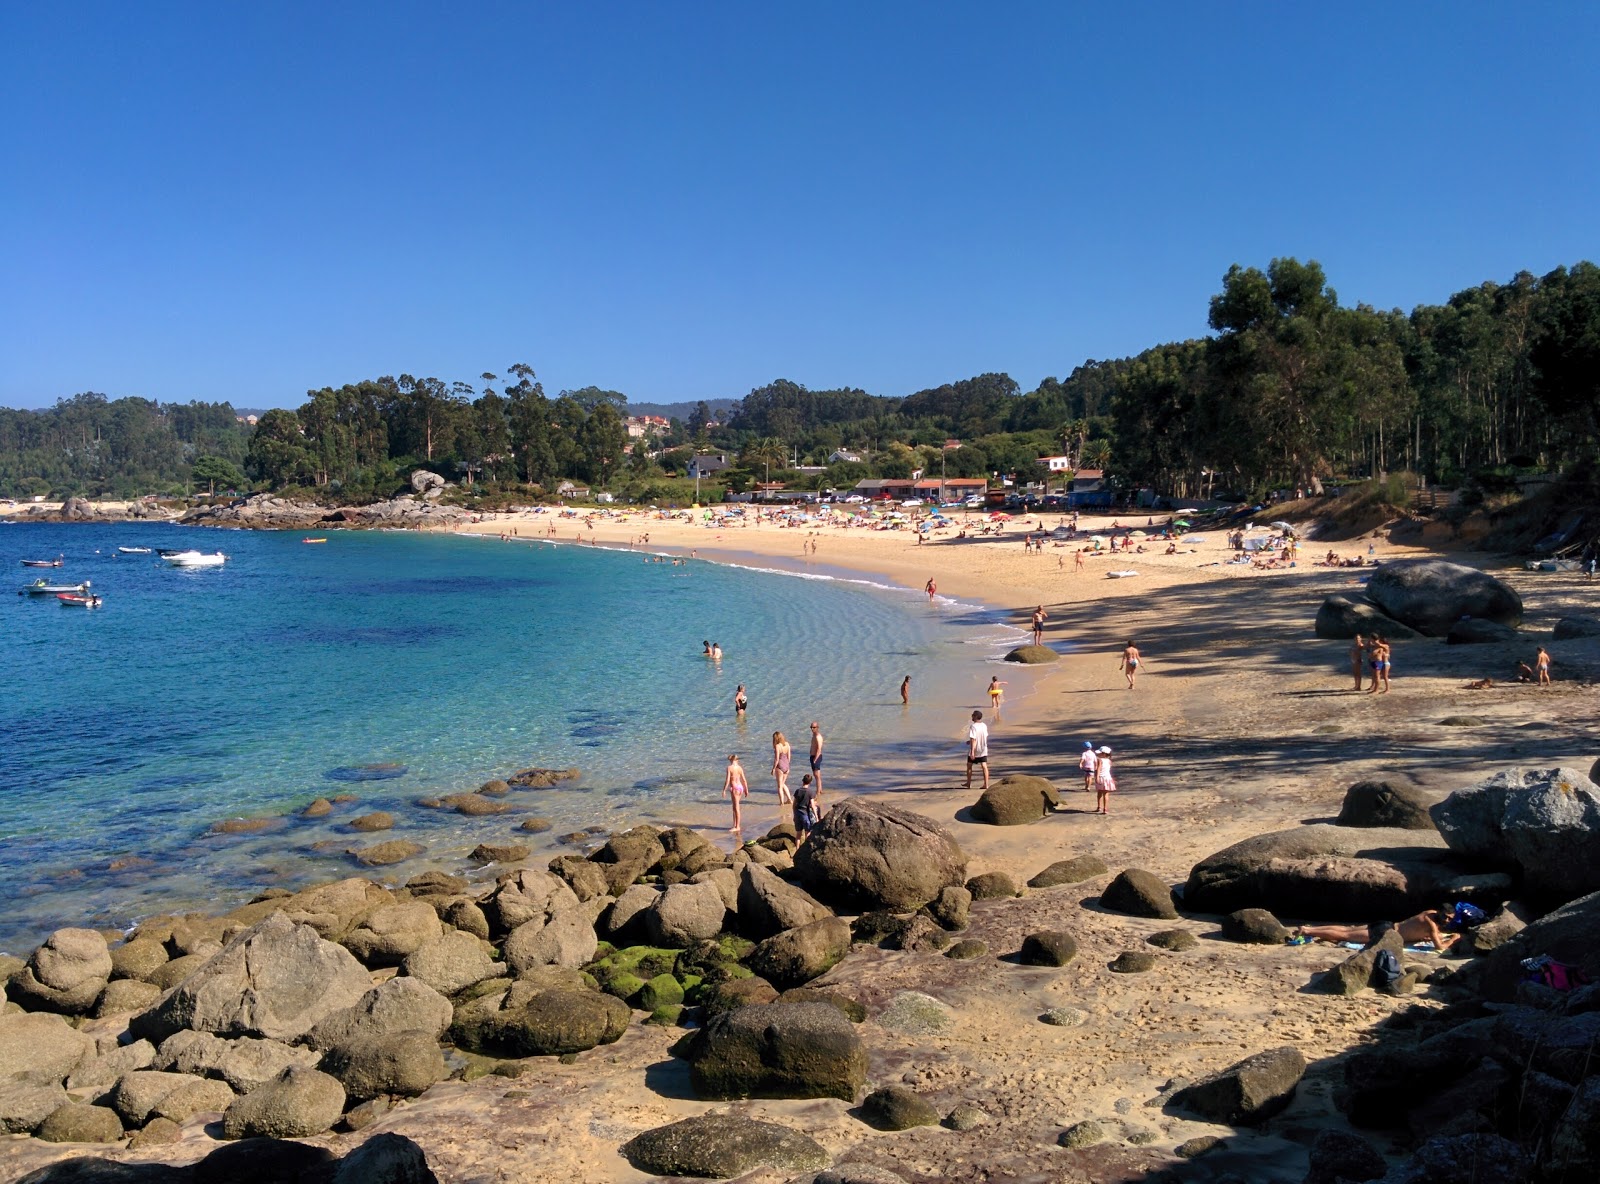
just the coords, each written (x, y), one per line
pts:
(719, 408)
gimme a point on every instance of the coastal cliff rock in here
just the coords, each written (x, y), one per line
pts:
(1015, 800)
(778, 1050)
(1431, 595)
(263, 511)
(1327, 872)
(879, 856)
(276, 980)
(1570, 934)
(1544, 823)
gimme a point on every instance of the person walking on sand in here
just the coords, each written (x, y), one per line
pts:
(1087, 763)
(1077, 561)
(978, 748)
(905, 689)
(1130, 663)
(816, 755)
(740, 701)
(736, 787)
(996, 694)
(781, 754)
(1358, 658)
(1541, 663)
(1104, 783)
(931, 589)
(1039, 618)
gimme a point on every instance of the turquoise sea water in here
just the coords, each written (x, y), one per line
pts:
(194, 696)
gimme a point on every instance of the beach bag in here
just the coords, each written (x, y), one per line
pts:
(1386, 970)
(1466, 916)
(1562, 976)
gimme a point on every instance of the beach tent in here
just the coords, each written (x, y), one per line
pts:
(1283, 526)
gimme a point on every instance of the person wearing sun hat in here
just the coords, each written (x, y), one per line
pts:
(1104, 784)
(1086, 763)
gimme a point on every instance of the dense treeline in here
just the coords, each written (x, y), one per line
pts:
(1293, 388)
(92, 446)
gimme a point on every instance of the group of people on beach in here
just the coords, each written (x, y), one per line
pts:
(1371, 655)
(804, 802)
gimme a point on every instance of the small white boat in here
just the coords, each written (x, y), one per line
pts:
(46, 588)
(133, 550)
(196, 559)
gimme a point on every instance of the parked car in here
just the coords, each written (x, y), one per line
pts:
(975, 502)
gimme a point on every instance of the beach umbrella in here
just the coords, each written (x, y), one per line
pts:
(1283, 526)
(1137, 534)
(998, 516)
(1181, 522)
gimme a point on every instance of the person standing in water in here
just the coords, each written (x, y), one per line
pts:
(781, 754)
(816, 755)
(716, 651)
(1130, 665)
(740, 701)
(905, 689)
(931, 589)
(736, 787)
(996, 694)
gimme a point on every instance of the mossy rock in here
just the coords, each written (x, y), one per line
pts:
(641, 962)
(668, 1015)
(1032, 655)
(970, 947)
(661, 991)
(716, 959)
(624, 986)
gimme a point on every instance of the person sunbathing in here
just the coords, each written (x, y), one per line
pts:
(1422, 929)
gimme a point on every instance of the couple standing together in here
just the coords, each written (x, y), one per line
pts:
(804, 800)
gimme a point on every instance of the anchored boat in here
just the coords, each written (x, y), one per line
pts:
(196, 559)
(46, 588)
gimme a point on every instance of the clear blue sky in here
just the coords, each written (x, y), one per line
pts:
(687, 200)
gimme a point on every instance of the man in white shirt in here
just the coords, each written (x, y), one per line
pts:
(978, 748)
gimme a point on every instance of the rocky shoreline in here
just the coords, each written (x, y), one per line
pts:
(338, 1007)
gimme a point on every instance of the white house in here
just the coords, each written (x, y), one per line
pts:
(1057, 464)
(844, 456)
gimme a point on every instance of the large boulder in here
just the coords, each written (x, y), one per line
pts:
(402, 1064)
(550, 1023)
(778, 1050)
(1070, 871)
(799, 955)
(296, 1104)
(768, 904)
(401, 1004)
(276, 979)
(1475, 631)
(721, 1146)
(627, 856)
(65, 974)
(248, 1063)
(563, 937)
(1139, 893)
(331, 909)
(1012, 801)
(390, 933)
(1341, 618)
(528, 895)
(1247, 1093)
(623, 922)
(137, 1094)
(77, 1122)
(1431, 595)
(453, 963)
(41, 1049)
(1325, 872)
(1386, 804)
(1570, 934)
(24, 1106)
(1355, 973)
(879, 856)
(1571, 628)
(684, 914)
(385, 1159)
(1544, 823)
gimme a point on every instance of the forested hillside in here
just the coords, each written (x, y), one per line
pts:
(1293, 387)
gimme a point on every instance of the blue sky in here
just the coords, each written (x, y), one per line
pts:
(688, 200)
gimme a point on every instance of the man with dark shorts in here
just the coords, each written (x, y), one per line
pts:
(816, 755)
(978, 748)
(805, 806)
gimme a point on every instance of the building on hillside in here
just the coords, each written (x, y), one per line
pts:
(572, 489)
(1089, 488)
(840, 456)
(951, 489)
(951, 445)
(711, 463)
(640, 426)
(1057, 464)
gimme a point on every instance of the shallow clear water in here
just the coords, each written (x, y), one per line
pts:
(193, 696)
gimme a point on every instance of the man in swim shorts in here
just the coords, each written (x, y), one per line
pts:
(816, 754)
(978, 748)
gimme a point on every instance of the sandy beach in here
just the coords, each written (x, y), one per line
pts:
(1242, 722)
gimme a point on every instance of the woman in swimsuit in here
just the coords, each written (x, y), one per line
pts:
(740, 701)
(1130, 663)
(736, 787)
(780, 766)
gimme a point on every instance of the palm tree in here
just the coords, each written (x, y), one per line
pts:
(767, 451)
(1096, 454)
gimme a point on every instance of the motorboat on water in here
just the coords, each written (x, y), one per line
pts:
(68, 600)
(56, 562)
(46, 588)
(195, 559)
(133, 550)
(313, 540)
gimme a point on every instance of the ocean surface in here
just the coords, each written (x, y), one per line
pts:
(397, 666)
